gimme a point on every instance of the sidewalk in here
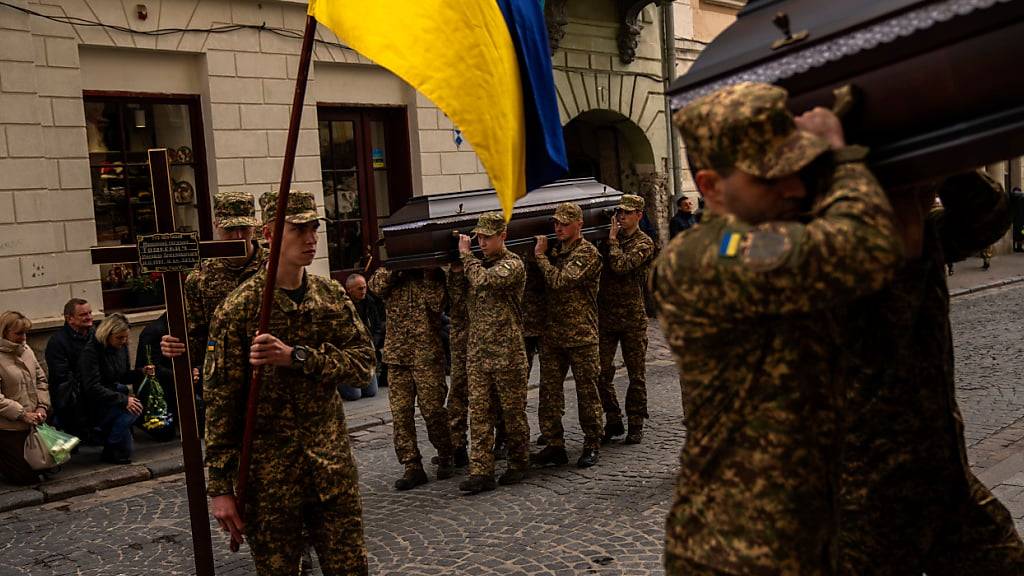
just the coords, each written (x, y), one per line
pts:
(85, 474)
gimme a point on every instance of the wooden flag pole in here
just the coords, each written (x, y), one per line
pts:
(298, 100)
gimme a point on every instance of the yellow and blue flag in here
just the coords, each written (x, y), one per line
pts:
(485, 63)
(730, 245)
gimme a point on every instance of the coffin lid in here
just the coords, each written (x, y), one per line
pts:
(456, 207)
(837, 32)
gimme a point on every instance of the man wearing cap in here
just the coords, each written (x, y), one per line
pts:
(622, 318)
(496, 358)
(207, 287)
(751, 302)
(414, 301)
(571, 274)
(302, 473)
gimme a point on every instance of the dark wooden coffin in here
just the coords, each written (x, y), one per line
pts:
(938, 81)
(422, 233)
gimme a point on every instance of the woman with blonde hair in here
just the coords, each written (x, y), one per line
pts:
(24, 397)
(107, 409)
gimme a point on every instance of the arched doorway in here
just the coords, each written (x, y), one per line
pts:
(611, 148)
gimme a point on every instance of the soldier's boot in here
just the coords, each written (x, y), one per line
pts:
(413, 477)
(985, 263)
(512, 476)
(588, 458)
(500, 451)
(542, 440)
(445, 468)
(550, 455)
(636, 431)
(461, 457)
(613, 428)
(476, 484)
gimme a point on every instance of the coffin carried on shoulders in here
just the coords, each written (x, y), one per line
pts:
(937, 81)
(422, 233)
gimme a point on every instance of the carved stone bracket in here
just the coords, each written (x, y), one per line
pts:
(630, 26)
(554, 13)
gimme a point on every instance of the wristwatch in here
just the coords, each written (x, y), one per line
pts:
(299, 355)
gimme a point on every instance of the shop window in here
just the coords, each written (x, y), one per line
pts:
(120, 129)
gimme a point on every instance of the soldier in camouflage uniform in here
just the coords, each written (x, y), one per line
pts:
(746, 301)
(458, 334)
(571, 275)
(414, 300)
(207, 287)
(303, 473)
(910, 503)
(496, 355)
(622, 317)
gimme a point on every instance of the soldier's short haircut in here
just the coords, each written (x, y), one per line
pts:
(69, 308)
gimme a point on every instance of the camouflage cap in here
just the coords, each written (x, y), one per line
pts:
(568, 212)
(489, 224)
(234, 209)
(301, 207)
(631, 203)
(746, 126)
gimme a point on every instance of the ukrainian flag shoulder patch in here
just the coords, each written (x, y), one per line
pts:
(730, 246)
(211, 346)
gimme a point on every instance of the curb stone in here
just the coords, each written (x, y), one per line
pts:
(989, 286)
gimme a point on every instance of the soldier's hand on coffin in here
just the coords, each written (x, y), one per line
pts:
(542, 245)
(226, 512)
(465, 244)
(171, 347)
(613, 232)
(266, 349)
(824, 124)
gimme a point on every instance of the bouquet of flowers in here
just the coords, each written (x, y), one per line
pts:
(155, 418)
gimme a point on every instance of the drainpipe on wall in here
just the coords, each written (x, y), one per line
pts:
(668, 65)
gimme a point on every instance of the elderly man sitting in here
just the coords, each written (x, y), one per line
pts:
(372, 314)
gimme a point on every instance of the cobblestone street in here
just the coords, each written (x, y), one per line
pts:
(604, 520)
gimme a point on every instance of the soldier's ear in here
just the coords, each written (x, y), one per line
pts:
(709, 183)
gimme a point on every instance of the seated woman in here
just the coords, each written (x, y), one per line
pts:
(24, 398)
(107, 409)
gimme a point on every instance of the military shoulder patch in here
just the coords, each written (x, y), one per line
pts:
(211, 346)
(730, 245)
(767, 248)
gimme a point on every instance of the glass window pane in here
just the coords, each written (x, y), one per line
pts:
(379, 145)
(343, 145)
(381, 196)
(345, 245)
(103, 130)
(173, 131)
(325, 144)
(346, 194)
(138, 127)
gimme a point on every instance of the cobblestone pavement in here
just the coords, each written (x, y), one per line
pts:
(604, 520)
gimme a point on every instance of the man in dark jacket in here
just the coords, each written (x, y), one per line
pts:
(62, 352)
(372, 314)
(683, 219)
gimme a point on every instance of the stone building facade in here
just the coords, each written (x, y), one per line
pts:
(212, 80)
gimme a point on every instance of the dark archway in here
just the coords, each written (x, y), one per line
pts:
(608, 147)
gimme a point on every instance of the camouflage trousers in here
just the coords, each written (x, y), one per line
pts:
(634, 353)
(495, 395)
(555, 362)
(532, 344)
(296, 500)
(409, 385)
(942, 535)
(458, 395)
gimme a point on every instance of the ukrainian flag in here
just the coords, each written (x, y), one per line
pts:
(485, 63)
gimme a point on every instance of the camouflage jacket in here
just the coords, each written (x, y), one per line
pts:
(620, 301)
(496, 311)
(414, 303)
(571, 275)
(748, 311)
(458, 312)
(534, 304)
(904, 449)
(297, 406)
(205, 289)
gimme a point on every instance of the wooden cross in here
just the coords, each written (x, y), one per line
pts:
(171, 254)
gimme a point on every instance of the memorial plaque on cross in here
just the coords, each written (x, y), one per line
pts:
(171, 254)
